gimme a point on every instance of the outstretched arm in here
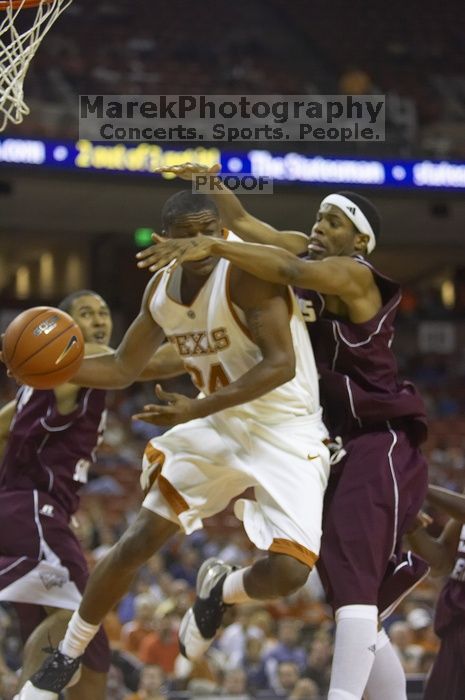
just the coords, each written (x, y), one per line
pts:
(121, 368)
(164, 364)
(6, 416)
(341, 276)
(440, 552)
(449, 501)
(233, 214)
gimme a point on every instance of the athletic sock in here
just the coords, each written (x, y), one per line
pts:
(78, 636)
(387, 678)
(354, 651)
(233, 588)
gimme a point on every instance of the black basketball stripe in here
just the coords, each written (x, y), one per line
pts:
(53, 371)
(52, 340)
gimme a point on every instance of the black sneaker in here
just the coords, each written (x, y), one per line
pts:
(57, 672)
(201, 622)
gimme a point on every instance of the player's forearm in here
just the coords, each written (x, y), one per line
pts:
(266, 262)
(431, 550)
(340, 276)
(165, 364)
(229, 205)
(7, 413)
(452, 503)
(253, 230)
(105, 372)
(6, 416)
(261, 379)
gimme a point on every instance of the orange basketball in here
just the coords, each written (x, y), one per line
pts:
(43, 347)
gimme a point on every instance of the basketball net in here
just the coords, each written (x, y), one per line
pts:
(18, 47)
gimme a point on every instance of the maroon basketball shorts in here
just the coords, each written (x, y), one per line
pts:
(42, 564)
(373, 494)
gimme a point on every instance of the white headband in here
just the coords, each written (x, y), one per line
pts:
(355, 214)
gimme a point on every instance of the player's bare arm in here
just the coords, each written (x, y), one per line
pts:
(267, 316)
(233, 214)
(342, 277)
(124, 366)
(66, 395)
(449, 501)
(6, 416)
(164, 364)
(440, 552)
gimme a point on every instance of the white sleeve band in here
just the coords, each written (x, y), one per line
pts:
(355, 214)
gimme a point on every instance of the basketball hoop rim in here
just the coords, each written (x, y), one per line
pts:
(22, 4)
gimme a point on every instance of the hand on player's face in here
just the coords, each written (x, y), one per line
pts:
(178, 409)
(168, 249)
(186, 171)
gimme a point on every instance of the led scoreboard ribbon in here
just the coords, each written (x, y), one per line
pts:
(292, 167)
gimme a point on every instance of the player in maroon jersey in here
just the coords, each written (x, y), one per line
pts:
(377, 488)
(446, 555)
(50, 439)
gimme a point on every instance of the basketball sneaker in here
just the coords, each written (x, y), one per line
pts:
(57, 672)
(201, 622)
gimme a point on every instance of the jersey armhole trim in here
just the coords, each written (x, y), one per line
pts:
(55, 429)
(154, 282)
(377, 330)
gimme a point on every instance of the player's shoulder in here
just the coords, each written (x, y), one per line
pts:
(245, 288)
(356, 266)
(294, 241)
(151, 287)
(238, 278)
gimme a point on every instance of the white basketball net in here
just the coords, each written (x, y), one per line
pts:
(17, 50)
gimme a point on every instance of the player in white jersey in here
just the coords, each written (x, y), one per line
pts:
(257, 424)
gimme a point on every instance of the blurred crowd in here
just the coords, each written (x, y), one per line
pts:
(272, 47)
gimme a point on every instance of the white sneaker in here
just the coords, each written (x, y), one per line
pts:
(29, 692)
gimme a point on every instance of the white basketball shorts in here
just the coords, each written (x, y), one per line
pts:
(195, 469)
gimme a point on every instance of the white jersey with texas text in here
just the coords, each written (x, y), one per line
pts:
(212, 338)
